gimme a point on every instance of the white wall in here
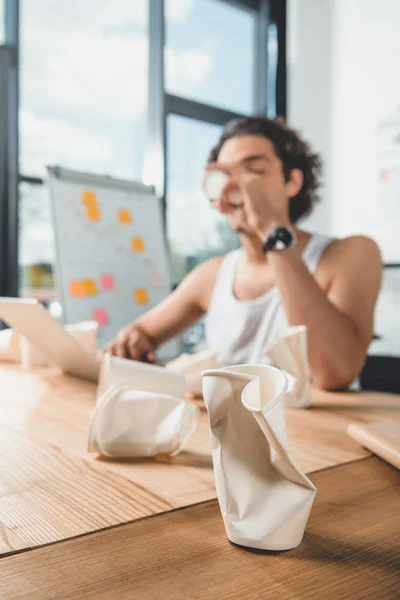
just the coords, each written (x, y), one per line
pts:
(310, 92)
(343, 80)
(366, 92)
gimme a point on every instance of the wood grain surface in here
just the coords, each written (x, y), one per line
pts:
(351, 550)
(48, 495)
(46, 471)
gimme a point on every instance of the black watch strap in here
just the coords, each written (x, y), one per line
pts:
(279, 238)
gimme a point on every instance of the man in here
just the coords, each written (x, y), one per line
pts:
(281, 275)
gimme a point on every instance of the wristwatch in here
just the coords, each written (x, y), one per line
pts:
(279, 238)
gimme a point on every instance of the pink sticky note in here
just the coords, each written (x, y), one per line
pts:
(101, 316)
(107, 281)
(156, 280)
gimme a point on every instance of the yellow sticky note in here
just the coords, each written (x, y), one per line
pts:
(124, 216)
(90, 287)
(141, 296)
(76, 288)
(137, 244)
(89, 199)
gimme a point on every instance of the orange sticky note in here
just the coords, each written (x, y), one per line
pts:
(137, 244)
(89, 199)
(124, 216)
(76, 288)
(90, 287)
(93, 213)
(141, 296)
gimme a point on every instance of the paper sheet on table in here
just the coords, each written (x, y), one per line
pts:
(264, 498)
(289, 352)
(10, 346)
(382, 438)
(191, 367)
(140, 410)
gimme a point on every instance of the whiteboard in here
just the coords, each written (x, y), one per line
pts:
(111, 259)
(386, 220)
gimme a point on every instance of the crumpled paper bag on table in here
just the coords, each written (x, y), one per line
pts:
(191, 367)
(264, 498)
(140, 410)
(289, 353)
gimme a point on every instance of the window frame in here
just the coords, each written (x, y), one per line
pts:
(160, 105)
(9, 153)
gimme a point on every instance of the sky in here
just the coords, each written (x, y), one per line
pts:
(84, 78)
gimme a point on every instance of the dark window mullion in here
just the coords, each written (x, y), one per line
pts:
(197, 110)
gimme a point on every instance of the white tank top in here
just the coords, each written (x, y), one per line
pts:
(240, 330)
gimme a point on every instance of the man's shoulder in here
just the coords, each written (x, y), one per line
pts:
(354, 247)
(209, 268)
(357, 254)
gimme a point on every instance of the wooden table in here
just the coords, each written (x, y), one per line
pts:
(52, 489)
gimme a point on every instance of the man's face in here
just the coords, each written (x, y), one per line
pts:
(254, 155)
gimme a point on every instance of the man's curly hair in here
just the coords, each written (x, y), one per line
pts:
(293, 151)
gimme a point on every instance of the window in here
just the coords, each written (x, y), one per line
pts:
(204, 59)
(84, 93)
(195, 230)
(83, 83)
(272, 69)
(36, 242)
(2, 22)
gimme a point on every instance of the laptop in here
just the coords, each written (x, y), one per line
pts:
(30, 319)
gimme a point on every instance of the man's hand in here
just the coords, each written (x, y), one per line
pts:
(264, 205)
(132, 342)
(260, 213)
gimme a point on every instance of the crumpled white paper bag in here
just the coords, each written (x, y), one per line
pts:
(264, 498)
(191, 366)
(140, 411)
(289, 352)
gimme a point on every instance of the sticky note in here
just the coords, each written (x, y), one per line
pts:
(137, 244)
(124, 216)
(141, 296)
(90, 287)
(107, 282)
(89, 199)
(101, 316)
(156, 280)
(76, 288)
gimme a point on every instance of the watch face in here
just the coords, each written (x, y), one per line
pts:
(284, 238)
(279, 239)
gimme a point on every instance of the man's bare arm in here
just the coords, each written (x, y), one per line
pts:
(182, 308)
(339, 317)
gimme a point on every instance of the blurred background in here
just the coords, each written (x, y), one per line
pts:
(140, 89)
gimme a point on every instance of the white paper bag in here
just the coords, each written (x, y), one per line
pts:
(140, 411)
(191, 367)
(289, 352)
(264, 498)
